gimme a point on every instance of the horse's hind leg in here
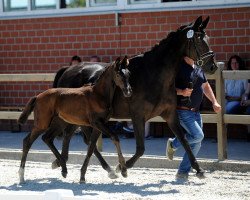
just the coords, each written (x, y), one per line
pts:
(48, 138)
(175, 126)
(27, 143)
(86, 137)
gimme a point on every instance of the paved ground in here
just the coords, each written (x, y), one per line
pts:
(153, 176)
(141, 183)
(237, 149)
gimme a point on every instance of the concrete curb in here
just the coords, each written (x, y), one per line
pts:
(144, 161)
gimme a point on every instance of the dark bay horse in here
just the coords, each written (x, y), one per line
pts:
(152, 80)
(89, 105)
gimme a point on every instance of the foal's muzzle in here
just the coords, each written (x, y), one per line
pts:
(127, 91)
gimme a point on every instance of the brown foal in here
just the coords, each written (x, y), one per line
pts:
(90, 105)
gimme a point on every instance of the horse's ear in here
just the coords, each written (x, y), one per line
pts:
(117, 60)
(117, 64)
(204, 23)
(197, 23)
(124, 62)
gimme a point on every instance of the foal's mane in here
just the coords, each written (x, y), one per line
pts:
(103, 72)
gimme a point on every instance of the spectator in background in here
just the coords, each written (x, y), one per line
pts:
(235, 90)
(95, 59)
(75, 60)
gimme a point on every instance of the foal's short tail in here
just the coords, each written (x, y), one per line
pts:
(27, 110)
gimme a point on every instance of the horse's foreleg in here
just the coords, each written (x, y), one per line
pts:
(27, 143)
(174, 125)
(48, 138)
(139, 129)
(105, 129)
(86, 138)
(91, 148)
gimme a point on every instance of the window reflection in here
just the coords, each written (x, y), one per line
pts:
(15, 5)
(43, 4)
(102, 2)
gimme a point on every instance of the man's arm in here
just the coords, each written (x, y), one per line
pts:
(207, 90)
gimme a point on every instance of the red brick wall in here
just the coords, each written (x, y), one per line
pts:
(45, 44)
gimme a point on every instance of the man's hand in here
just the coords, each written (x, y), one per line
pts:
(187, 92)
(216, 107)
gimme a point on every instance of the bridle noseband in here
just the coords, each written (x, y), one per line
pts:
(206, 56)
(200, 61)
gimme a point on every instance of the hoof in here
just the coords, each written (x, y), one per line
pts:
(64, 174)
(112, 175)
(82, 181)
(55, 164)
(21, 181)
(118, 169)
(124, 173)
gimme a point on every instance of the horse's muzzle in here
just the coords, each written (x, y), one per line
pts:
(127, 91)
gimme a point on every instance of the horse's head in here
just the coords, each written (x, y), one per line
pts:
(121, 76)
(196, 45)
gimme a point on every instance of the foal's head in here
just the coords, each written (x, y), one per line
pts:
(196, 45)
(121, 76)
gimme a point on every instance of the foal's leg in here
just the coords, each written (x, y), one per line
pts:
(86, 138)
(69, 132)
(105, 129)
(175, 126)
(48, 138)
(91, 147)
(27, 142)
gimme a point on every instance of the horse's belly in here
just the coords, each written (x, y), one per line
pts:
(74, 119)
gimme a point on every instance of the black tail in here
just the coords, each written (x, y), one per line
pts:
(27, 110)
(59, 73)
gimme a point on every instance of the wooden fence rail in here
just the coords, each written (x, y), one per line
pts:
(220, 119)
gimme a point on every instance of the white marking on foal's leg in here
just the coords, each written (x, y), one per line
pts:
(21, 175)
(112, 174)
(118, 168)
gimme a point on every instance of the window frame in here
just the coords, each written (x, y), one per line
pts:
(92, 3)
(122, 6)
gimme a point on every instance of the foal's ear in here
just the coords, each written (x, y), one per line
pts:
(197, 23)
(117, 63)
(124, 62)
(204, 23)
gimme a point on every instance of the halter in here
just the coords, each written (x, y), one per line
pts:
(206, 56)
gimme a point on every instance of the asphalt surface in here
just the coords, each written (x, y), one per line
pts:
(237, 149)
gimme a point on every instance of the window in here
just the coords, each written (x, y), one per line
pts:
(43, 4)
(175, 0)
(15, 5)
(142, 1)
(73, 3)
(103, 2)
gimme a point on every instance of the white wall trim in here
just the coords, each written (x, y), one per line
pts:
(123, 7)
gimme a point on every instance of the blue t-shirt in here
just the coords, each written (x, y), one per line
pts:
(185, 75)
